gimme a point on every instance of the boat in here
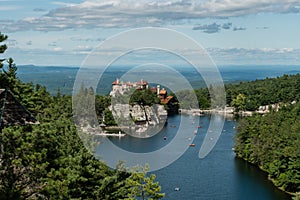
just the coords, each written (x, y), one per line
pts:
(199, 126)
(192, 145)
(177, 189)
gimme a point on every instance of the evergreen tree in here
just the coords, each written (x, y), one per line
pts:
(3, 47)
(140, 185)
(49, 161)
(272, 142)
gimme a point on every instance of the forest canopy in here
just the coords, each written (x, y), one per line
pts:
(49, 160)
(272, 142)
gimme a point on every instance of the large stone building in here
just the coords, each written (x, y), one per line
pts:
(120, 87)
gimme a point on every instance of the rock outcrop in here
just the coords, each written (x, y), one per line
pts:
(139, 121)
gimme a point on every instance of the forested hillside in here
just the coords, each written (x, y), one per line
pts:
(248, 95)
(49, 161)
(257, 93)
(272, 142)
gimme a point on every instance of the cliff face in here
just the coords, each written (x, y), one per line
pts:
(140, 121)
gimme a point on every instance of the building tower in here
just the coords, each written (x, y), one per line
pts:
(158, 90)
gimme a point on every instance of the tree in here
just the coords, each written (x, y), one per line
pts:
(3, 47)
(143, 186)
(22, 165)
(109, 119)
(49, 160)
(144, 98)
(272, 143)
(239, 103)
(297, 197)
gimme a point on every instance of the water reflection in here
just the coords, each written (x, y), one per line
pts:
(256, 183)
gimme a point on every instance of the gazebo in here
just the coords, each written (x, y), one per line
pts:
(12, 112)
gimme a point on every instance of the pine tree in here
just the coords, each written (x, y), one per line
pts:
(3, 47)
(141, 185)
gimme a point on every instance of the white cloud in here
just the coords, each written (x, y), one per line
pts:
(129, 13)
(61, 3)
(57, 49)
(209, 28)
(214, 27)
(9, 8)
(284, 56)
(239, 29)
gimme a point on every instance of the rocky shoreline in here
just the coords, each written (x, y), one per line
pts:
(230, 111)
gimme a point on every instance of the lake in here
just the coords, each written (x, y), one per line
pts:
(220, 175)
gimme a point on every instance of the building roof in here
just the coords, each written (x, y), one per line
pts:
(153, 89)
(116, 82)
(12, 112)
(142, 82)
(166, 100)
(129, 84)
(163, 91)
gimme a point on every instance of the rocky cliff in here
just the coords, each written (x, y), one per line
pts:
(139, 121)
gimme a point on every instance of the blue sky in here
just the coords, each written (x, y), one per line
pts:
(239, 32)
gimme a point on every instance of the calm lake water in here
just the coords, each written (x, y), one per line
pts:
(220, 175)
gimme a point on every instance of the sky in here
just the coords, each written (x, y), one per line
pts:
(233, 32)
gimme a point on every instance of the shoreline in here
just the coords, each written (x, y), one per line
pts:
(111, 134)
(99, 132)
(292, 194)
(227, 111)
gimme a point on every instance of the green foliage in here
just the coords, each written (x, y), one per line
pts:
(142, 186)
(49, 160)
(296, 197)
(109, 118)
(144, 97)
(245, 95)
(272, 142)
(239, 103)
(102, 103)
(188, 99)
(203, 97)
(84, 107)
(3, 47)
(265, 92)
(22, 164)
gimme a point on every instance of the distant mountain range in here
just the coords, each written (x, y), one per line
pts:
(54, 77)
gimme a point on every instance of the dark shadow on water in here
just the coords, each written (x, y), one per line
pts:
(255, 181)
